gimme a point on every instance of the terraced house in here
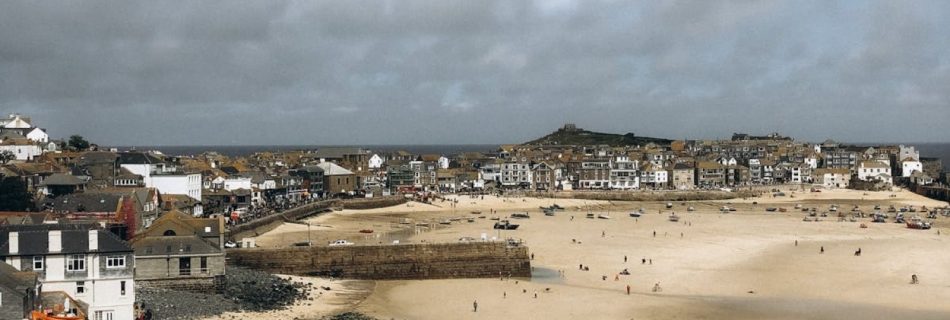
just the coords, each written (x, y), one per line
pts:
(93, 266)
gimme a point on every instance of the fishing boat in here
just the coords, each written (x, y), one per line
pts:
(669, 205)
(549, 213)
(771, 209)
(494, 218)
(476, 212)
(603, 216)
(782, 210)
(590, 216)
(690, 209)
(918, 223)
(366, 231)
(505, 225)
(446, 222)
(635, 214)
(520, 215)
(674, 218)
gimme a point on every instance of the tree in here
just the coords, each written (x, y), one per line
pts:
(78, 143)
(6, 156)
(13, 195)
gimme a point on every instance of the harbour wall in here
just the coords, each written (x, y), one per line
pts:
(391, 262)
(268, 223)
(695, 195)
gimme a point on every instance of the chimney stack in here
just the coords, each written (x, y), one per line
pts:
(93, 240)
(14, 242)
(55, 241)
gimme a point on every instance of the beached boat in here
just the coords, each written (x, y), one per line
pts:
(782, 210)
(505, 225)
(635, 214)
(494, 218)
(520, 215)
(690, 209)
(366, 231)
(674, 218)
(771, 209)
(798, 206)
(669, 205)
(590, 216)
(445, 222)
(603, 216)
(918, 223)
(476, 212)
(405, 221)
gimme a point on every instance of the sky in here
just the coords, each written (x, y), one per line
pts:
(474, 72)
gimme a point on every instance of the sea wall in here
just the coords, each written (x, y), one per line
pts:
(268, 223)
(372, 203)
(692, 195)
(388, 262)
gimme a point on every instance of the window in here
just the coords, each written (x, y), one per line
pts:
(38, 263)
(122, 287)
(76, 262)
(80, 287)
(103, 315)
(114, 262)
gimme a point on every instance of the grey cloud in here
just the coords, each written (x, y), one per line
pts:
(331, 72)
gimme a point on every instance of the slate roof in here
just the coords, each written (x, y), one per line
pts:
(97, 157)
(16, 280)
(138, 158)
(34, 240)
(161, 246)
(335, 152)
(87, 202)
(59, 179)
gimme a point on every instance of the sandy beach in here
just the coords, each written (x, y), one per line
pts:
(709, 265)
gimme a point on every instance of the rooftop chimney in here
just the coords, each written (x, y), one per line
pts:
(14, 242)
(93, 240)
(55, 241)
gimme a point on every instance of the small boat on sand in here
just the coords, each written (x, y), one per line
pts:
(603, 216)
(366, 231)
(520, 215)
(635, 214)
(674, 218)
(505, 225)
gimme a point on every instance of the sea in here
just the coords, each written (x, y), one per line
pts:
(927, 150)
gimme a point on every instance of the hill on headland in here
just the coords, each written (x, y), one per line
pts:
(572, 135)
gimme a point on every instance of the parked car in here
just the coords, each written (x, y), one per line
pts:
(340, 242)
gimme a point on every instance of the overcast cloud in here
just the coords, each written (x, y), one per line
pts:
(445, 72)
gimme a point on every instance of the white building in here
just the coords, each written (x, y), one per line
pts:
(908, 167)
(177, 183)
(515, 174)
(167, 178)
(832, 178)
(443, 162)
(21, 151)
(234, 183)
(375, 162)
(92, 266)
(487, 173)
(623, 174)
(38, 135)
(871, 170)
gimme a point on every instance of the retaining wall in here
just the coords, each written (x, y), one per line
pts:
(692, 195)
(388, 262)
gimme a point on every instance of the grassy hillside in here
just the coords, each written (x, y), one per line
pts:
(584, 137)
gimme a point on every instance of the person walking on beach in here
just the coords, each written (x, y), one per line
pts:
(643, 261)
(624, 259)
(603, 234)
(822, 249)
(796, 243)
(654, 233)
(475, 306)
(651, 261)
(628, 289)
(913, 279)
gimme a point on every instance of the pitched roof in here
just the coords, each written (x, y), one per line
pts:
(161, 246)
(86, 202)
(331, 169)
(17, 281)
(138, 158)
(59, 179)
(34, 240)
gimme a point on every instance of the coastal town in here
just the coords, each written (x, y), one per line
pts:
(97, 232)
